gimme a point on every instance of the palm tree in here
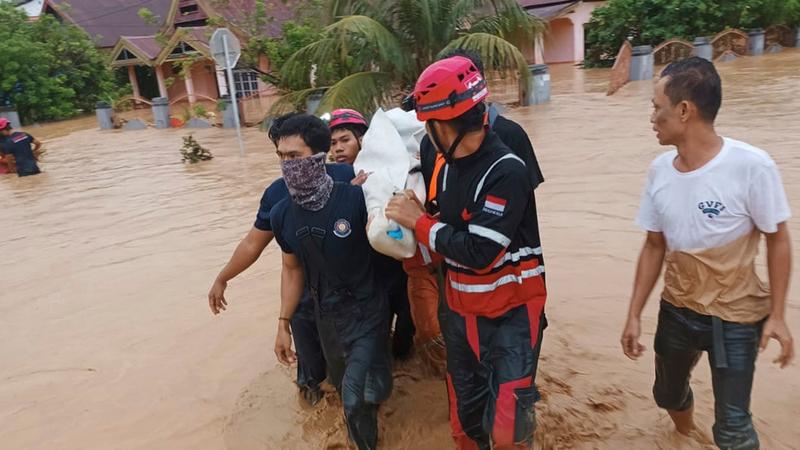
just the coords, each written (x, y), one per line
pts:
(376, 49)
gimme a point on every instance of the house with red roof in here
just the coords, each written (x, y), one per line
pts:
(156, 52)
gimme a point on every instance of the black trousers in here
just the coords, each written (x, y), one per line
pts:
(311, 367)
(681, 338)
(355, 341)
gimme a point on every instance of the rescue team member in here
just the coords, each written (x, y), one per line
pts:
(348, 127)
(510, 132)
(311, 370)
(705, 207)
(22, 146)
(422, 276)
(488, 234)
(321, 229)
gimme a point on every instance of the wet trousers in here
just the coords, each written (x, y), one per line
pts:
(311, 369)
(681, 337)
(491, 370)
(397, 291)
(355, 341)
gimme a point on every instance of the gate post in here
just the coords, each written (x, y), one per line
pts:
(642, 63)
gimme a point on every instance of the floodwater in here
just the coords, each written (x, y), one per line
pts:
(107, 342)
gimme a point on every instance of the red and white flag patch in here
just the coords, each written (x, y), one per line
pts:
(494, 205)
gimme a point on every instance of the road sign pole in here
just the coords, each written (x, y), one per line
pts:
(232, 93)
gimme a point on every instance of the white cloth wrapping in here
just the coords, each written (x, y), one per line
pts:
(389, 150)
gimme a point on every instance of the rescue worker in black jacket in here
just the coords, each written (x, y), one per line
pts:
(494, 285)
(321, 229)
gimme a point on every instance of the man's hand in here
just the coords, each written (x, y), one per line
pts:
(216, 297)
(405, 209)
(777, 329)
(630, 339)
(283, 345)
(361, 178)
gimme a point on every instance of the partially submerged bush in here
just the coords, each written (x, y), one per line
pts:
(193, 152)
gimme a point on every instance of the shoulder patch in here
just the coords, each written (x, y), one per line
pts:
(494, 205)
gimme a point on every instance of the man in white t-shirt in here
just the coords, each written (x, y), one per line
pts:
(705, 207)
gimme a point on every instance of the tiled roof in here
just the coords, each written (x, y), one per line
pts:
(107, 20)
(147, 45)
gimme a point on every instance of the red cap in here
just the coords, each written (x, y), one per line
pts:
(4, 123)
(449, 88)
(341, 117)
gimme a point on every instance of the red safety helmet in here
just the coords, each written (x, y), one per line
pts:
(4, 123)
(449, 88)
(341, 117)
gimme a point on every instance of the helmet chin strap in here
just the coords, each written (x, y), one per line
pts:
(448, 154)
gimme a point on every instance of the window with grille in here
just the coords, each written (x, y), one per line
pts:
(246, 82)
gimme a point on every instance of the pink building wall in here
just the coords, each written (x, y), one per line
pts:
(566, 39)
(559, 44)
(203, 78)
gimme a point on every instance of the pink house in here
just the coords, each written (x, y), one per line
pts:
(156, 55)
(564, 40)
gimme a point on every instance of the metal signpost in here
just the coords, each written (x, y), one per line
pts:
(226, 50)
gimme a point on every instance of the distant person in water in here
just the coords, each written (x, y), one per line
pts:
(705, 207)
(21, 146)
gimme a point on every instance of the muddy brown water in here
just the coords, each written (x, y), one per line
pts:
(107, 342)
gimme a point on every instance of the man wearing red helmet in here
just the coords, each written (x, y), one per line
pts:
(348, 127)
(487, 231)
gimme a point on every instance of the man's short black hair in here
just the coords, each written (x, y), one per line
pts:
(472, 120)
(310, 128)
(695, 80)
(469, 54)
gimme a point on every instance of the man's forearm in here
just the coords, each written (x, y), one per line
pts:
(291, 290)
(651, 259)
(245, 255)
(779, 265)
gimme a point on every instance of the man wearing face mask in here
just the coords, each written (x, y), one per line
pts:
(311, 370)
(494, 285)
(321, 229)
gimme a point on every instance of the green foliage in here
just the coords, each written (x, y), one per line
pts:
(192, 152)
(376, 48)
(149, 17)
(295, 37)
(49, 70)
(655, 21)
(198, 111)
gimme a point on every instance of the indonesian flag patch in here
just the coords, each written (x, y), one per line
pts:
(494, 205)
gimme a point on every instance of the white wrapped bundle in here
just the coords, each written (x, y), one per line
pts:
(388, 152)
